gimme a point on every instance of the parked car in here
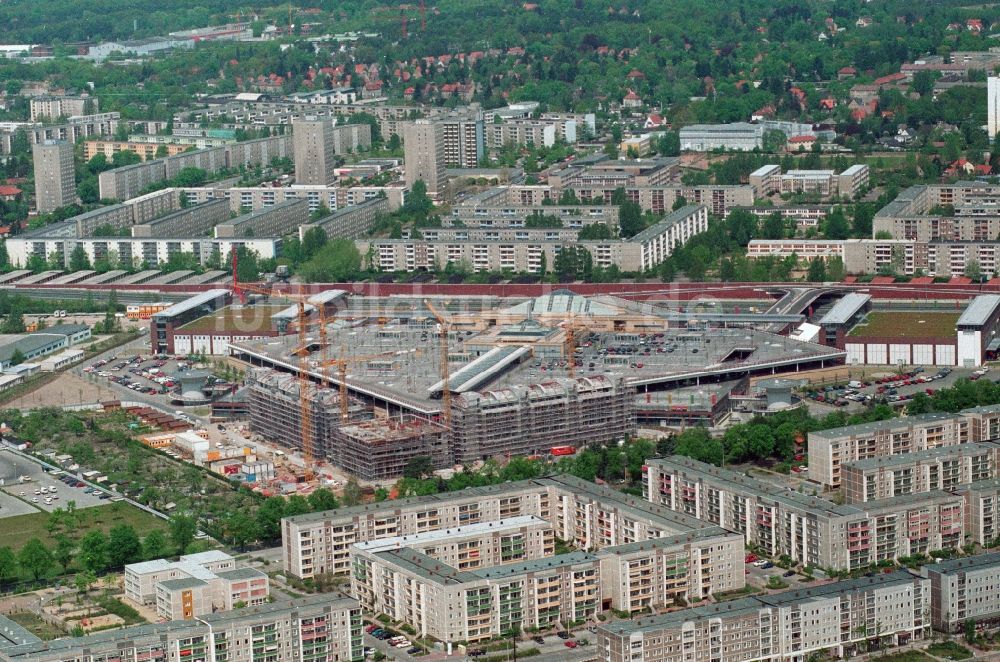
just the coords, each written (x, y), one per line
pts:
(570, 644)
(538, 640)
(563, 635)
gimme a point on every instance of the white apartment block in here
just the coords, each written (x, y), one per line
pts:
(141, 578)
(830, 449)
(590, 516)
(785, 627)
(332, 197)
(964, 589)
(944, 468)
(314, 627)
(769, 179)
(525, 250)
(809, 530)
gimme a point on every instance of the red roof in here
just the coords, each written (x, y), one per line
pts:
(829, 103)
(847, 71)
(850, 279)
(960, 280)
(802, 139)
(891, 78)
(883, 280)
(9, 190)
(922, 280)
(635, 73)
(631, 95)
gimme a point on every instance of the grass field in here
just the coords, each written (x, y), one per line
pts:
(236, 319)
(949, 650)
(907, 325)
(20, 529)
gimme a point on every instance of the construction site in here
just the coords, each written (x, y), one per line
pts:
(368, 384)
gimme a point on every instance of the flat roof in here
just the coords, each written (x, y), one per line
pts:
(664, 224)
(888, 424)
(977, 562)
(845, 309)
(954, 451)
(192, 303)
(427, 567)
(535, 565)
(182, 583)
(479, 528)
(980, 310)
(245, 319)
(237, 574)
(751, 605)
(763, 490)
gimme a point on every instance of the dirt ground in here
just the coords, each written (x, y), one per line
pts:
(68, 389)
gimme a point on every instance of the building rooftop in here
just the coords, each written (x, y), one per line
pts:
(888, 424)
(978, 312)
(977, 562)
(535, 565)
(943, 452)
(663, 225)
(427, 567)
(845, 309)
(429, 537)
(241, 573)
(182, 583)
(751, 605)
(192, 303)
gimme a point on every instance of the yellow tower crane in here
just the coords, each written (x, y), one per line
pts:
(444, 328)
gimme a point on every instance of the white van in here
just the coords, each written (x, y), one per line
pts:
(854, 384)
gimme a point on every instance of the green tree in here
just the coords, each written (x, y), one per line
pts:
(64, 551)
(269, 515)
(419, 467)
(94, 552)
(817, 270)
(698, 444)
(836, 226)
(336, 262)
(774, 226)
(78, 260)
(8, 564)
(629, 219)
(36, 558)
(352, 493)
(323, 499)
(182, 530)
(123, 546)
(17, 358)
(189, 177)
(154, 545)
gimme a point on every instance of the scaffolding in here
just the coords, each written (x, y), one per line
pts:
(530, 420)
(380, 449)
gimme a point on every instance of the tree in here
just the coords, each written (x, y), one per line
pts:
(189, 177)
(17, 358)
(817, 271)
(123, 546)
(63, 551)
(836, 226)
(970, 631)
(973, 271)
(629, 219)
(8, 564)
(84, 580)
(352, 493)
(419, 467)
(154, 545)
(36, 558)
(323, 499)
(94, 552)
(182, 530)
(920, 404)
(78, 260)
(242, 529)
(269, 515)
(698, 444)
(774, 226)
(4, 256)
(336, 262)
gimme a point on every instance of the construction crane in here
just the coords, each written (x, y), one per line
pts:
(570, 326)
(423, 16)
(444, 327)
(341, 364)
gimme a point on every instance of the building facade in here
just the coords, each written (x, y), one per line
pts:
(55, 180)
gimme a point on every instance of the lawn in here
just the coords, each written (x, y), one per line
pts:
(907, 325)
(22, 528)
(949, 650)
(245, 319)
(34, 624)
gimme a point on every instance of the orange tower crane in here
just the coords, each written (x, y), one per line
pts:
(444, 327)
(571, 325)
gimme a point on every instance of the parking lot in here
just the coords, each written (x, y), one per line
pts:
(20, 498)
(893, 388)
